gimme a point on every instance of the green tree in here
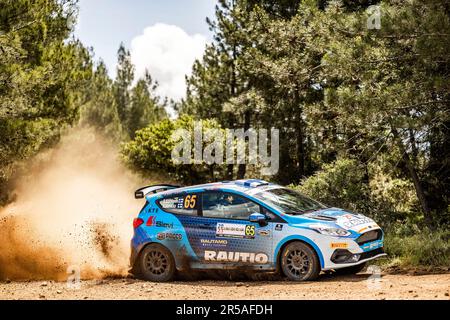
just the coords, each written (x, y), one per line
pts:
(151, 152)
(283, 65)
(392, 91)
(216, 78)
(337, 89)
(101, 110)
(145, 107)
(123, 82)
(43, 77)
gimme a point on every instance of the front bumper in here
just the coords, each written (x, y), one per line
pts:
(350, 252)
(343, 256)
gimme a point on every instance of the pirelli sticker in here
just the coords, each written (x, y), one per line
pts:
(339, 245)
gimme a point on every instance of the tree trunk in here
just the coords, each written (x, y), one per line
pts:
(414, 177)
(300, 148)
(412, 141)
(233, 93)
(229, 172)
(242, 168)
(299, 134)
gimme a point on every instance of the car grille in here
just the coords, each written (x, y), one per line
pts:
(370, 254)
(370, 236)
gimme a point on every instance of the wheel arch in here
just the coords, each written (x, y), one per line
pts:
(145, 245)
(282, 244)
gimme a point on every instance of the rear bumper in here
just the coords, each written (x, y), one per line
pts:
(133, 255)
(136, 248)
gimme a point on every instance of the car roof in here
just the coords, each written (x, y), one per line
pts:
(243, 185)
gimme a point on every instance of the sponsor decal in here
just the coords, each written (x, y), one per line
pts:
(152, 222)
(264, 233)
(340, 245)
(348, 220)
(169, 236)
(365, 228)
(235, 230)
(372, 245)
(374, 226)
(214, 242)
(161, 236)
(230, 256)
(278, 227)
(152, 210)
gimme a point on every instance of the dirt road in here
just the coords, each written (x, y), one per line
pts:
(360, 286)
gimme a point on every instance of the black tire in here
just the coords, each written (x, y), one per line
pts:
(156, 263)
(299, 262)
(351, 270)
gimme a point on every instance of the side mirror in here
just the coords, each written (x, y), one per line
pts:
(258, 218)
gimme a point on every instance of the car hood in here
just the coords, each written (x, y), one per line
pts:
(344, 219)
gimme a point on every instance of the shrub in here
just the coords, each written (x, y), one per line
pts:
(425, 248)
(151, 152)
(391, 201)
(340, 184)
(348, 184)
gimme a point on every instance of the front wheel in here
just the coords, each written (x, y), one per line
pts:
(299, 262)
(156, 263)
(351, 270)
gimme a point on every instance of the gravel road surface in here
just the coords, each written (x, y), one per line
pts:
(361, 286)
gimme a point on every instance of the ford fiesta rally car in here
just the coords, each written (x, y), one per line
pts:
(247, 224)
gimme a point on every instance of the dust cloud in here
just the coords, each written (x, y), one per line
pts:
(74, 210)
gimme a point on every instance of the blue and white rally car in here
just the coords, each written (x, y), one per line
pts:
(247, 225)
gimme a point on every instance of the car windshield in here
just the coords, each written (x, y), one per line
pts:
(289, 201)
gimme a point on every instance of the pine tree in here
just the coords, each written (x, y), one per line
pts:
(392, 90)
(145, 106)
(122, 84)
(216, 79)
(101, 110)
(43, 79)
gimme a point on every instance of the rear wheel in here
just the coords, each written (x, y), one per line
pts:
(351, 270)
(299, 262)
(156, 263)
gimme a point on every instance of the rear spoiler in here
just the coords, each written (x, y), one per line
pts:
(142, 192)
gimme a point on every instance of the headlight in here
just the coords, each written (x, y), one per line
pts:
(324, 229)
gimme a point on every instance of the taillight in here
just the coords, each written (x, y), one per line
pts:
(137, 222)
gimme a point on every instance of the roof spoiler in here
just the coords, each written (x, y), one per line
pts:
(142, 192)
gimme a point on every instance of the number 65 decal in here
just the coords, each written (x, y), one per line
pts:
(190, 201)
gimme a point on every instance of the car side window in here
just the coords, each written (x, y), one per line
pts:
(227, 206)
(186, 204)
(272, 217)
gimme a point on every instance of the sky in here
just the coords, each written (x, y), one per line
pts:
(163, 36)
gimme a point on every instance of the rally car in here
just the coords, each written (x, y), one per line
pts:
(247, 225)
